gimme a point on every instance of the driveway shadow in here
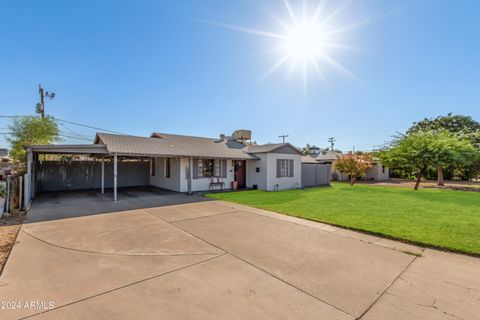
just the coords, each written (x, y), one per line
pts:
(69, 204)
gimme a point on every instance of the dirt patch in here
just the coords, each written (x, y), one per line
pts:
(451, 185)
(8, 234)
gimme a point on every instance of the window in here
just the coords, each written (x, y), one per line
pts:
(284, 168)
(206, 168)
(383, 169)
(167, 167)
(152, 167)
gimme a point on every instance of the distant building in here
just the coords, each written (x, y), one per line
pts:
(377, 172)
(3, 152)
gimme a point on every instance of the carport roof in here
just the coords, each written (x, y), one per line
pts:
(70, 149)
(170, 145)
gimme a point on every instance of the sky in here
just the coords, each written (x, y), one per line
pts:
(200, 68)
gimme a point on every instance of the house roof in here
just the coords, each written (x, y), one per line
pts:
(308, 159)
(162, 144)
(265, 148)
(167, 145)
(328, 156)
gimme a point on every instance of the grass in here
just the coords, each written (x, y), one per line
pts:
(445, 219)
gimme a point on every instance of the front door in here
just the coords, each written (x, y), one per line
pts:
(240, 173)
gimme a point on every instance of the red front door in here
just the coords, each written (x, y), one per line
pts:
(240, 173)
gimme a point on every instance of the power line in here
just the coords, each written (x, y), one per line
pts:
(75, 133)
(87, 126)
(67, 121)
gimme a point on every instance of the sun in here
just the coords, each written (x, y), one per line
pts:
(303, 41)
(307, 38)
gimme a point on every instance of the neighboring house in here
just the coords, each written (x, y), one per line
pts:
(377, 172)
(174, 162)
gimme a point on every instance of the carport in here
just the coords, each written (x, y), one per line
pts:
(78, 167)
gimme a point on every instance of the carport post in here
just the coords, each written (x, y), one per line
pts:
(115, 177)
(190, 172)
(103, 175)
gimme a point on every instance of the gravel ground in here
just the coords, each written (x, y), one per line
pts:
(8, 233)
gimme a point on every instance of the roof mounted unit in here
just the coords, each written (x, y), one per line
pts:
(242, 135)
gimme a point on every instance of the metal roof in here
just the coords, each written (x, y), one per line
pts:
(164, 145)
(264, 148)
(328, 155)
(70, 148)
(171, 145)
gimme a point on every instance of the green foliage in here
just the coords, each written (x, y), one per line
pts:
(421, 151)
(31, 130)
(462, 126)
(353, 164)
(2, 191)
(306, 150)
(443, 218)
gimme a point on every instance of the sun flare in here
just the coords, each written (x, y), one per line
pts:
(307, 38)
(303, 41)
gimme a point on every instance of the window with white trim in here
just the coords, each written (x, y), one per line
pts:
(285, 168)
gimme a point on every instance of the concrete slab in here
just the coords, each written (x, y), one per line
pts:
(36, 271)
(144, 258)
(123, 233)
(438, 285)
(222, 288)
(343, 272)
(189, 211)
(270, 214)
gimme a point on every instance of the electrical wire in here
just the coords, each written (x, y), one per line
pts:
(75, 133)
(91, 127)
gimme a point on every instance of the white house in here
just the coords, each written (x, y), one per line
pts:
(173, 162)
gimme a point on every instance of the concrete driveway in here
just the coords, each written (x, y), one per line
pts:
(80, 256)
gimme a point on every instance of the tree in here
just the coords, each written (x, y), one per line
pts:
(463, 127)
(421, 151)
(354, 165)
(306, 150)
(457, 124)
(31, 130)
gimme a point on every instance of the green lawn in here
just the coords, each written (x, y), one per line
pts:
(441, 218)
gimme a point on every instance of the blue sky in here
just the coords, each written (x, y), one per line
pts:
(144, 66)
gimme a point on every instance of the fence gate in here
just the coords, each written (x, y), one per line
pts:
(314, 174)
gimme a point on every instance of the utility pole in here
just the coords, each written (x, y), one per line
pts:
(42, 101)
(331, 140)
(41, 104)
(283, 136)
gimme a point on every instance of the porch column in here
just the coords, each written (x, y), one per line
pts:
(103, 175)
(190, 173)
(115, 177)
(29, 179)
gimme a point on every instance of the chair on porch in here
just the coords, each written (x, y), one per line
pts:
(216, 181)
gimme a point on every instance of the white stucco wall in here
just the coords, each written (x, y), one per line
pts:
(284, 183)
(202, 184)
(376, 173)
(266, 179)
(254, 177)
(160, 181)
